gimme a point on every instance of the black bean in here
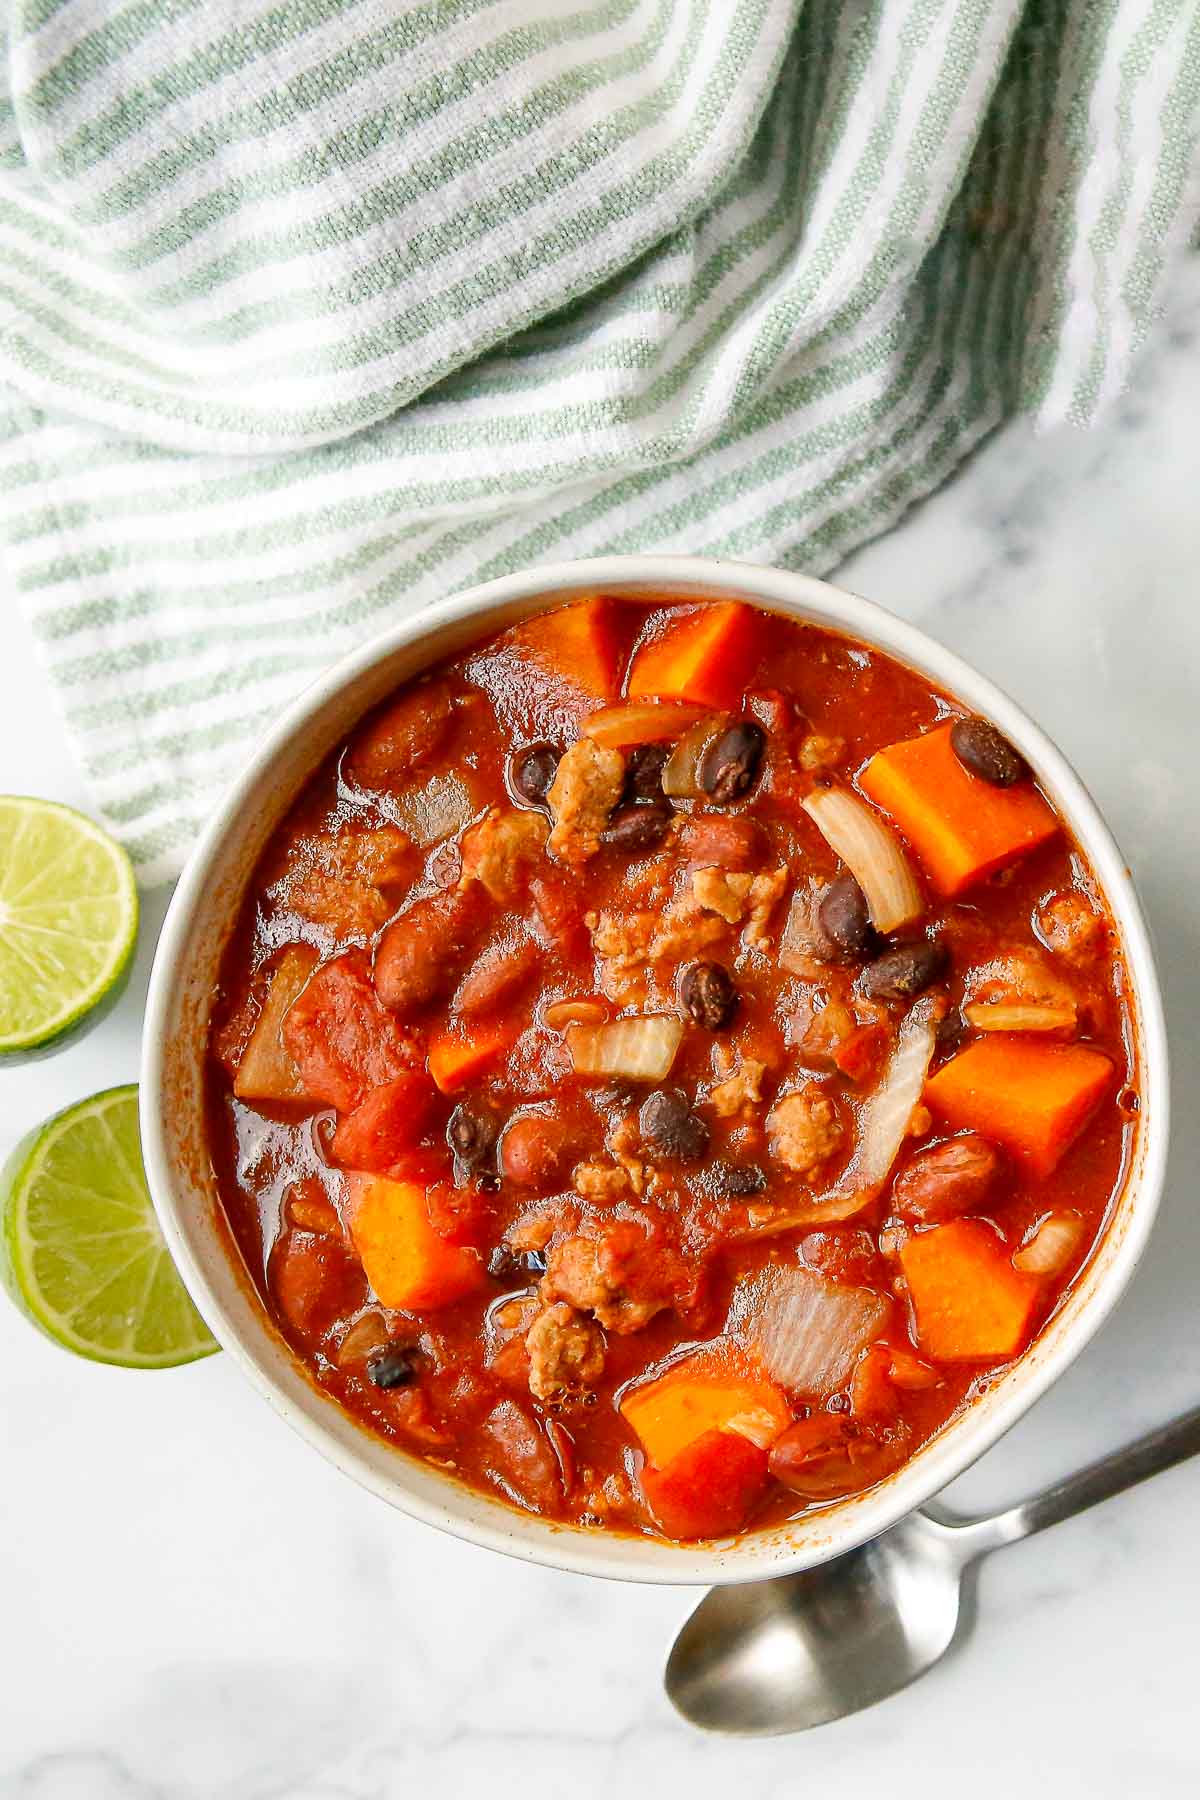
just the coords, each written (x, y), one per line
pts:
(708, 994)
(670, 1127)
(900, 973)
(471, 1133)
(393, 1366)
(734, 1181)
(513, 1265)
(845, 919)
(729, 766)
(638, 827)
(987, 752)
(531, 770)
(644, 771)
(951, 1034)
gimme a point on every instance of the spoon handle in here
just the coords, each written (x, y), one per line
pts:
(1148, 1455)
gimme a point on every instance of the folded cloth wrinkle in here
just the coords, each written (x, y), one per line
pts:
(313, 313)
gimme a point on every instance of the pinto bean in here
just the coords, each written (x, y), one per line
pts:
(537, 1150)
(947, 1179)
(423, 952)
(987, 752)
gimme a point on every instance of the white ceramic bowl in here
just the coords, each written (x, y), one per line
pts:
(185, 975)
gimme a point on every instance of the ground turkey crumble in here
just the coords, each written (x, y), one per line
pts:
(582, 796)
(566, 1352)
(805, 1130)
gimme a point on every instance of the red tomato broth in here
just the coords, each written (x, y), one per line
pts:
(505, 700)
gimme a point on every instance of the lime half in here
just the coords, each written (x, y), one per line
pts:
(68, 922)
(83, 1255)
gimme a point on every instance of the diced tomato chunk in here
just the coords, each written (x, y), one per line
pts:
(707, 655)
(709, 1489)
(314, 1280)
(386, 1125)
(340, 1037)
(460, 1215)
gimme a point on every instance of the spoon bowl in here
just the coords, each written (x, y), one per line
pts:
(802, 1650)
(785, 1655)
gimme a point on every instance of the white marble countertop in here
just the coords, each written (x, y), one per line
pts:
(194, 1607)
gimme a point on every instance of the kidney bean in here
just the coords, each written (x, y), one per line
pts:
(643, 771)
(900, 973)
(845, 919)
(531, 771)
(729, 767)
(670, 1127)
(947, 1179)
(537, 1150)
(987, 752)
(708, 994)
(638, 827)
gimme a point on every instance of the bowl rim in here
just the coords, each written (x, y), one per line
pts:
(950, 1452)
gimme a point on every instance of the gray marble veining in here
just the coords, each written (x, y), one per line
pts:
(195, 1608)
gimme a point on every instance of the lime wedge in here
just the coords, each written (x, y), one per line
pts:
(68, 922)
(81, 1251)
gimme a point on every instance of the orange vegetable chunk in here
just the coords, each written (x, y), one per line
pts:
(1032, 1097)
(457, 1057)
(708, 656)
(581, 645)
(970, 1303)
(714, 1389)
(407, 1264)
(266, 1070)
(960, 826)
(709, 1488)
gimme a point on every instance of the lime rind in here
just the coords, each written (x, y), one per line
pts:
(68, 923)
(84, 1257)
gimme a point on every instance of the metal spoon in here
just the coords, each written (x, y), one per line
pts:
(783, 1655)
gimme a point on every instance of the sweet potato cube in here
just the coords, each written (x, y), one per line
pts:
(971, 1305)
(716, 1389)
(710, 1487)
(1032, 1097)
(707, 655)
(407, 1264)
(581, 645)
(266, 1070)
(960, 826)
(457, 1057)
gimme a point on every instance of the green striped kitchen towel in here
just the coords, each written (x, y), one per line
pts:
(312, 312)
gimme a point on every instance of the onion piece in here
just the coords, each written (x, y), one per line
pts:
(640, 1049)
(1052, 1245)
(872, 854)
(756, 1424)
(641, 722)
(561, 1013)
(883, 1126)
(808, 1332)
(679, 776)
(435, 810)
(998, 1016)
